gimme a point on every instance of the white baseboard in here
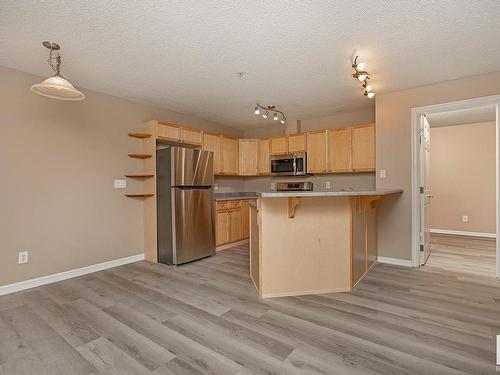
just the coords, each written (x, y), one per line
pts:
(463, 233)
(28, 284)
(395, 261)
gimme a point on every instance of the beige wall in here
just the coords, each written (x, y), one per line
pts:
(462, 177)
(57, 164)
(393, 129)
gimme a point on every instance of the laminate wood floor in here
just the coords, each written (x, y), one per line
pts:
(205, 318)
(461, 254)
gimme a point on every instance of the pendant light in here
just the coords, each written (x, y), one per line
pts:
(56, 87)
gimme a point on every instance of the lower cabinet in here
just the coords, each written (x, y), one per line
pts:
(232, 221)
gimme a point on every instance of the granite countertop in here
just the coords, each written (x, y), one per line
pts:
(234, 195)
(278, 194)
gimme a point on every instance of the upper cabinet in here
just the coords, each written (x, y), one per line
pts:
(279, 145)
(191, 136)
(339, 150)
(316, 151)
(248, 157)
(264, 156)
(363, 148)
(212, 142)
(168, 132)
(296, 143)
(176, 133)
(230, 155)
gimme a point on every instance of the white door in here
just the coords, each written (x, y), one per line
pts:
(425, 195)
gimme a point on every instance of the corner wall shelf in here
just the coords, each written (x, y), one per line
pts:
(139, 135)
(139, 175)
(140, 156)
(139, 195)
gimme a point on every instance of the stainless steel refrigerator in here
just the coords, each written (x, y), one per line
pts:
(186, 225)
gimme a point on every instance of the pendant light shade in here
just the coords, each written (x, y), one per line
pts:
(56, 87)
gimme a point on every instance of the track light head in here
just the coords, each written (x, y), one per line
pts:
(275, 117)
(256, 111)
(266, 114)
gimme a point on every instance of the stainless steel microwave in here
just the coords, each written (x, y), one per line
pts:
(289, 165)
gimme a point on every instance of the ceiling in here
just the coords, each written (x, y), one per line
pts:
(185, 55)
(464, 116)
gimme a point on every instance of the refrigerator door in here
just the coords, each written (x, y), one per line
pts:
(192, 167)
(193, 224)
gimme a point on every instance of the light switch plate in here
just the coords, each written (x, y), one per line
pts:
(328, 185)
(120, 184)
(465, 218)
(273, 186)
(216, 186)
(382, 173)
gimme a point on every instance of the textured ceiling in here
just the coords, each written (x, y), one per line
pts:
(465, 116)
(184, 55)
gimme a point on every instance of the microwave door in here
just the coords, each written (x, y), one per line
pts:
(282, 166)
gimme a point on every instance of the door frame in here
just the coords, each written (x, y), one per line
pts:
(416, 113)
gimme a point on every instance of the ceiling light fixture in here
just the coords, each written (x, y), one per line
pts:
(362, 75)
(276, 115)
(56, 87)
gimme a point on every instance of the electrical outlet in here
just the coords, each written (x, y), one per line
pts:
(23, 257)
(382, 173)
(216, 186)
(273, 186)
(465, 218)
(120, 184)
(328, 185)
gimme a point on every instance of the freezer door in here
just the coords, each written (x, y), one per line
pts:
(192, 167)
(194, 227)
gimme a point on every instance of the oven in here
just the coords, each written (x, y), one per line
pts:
(289, 165)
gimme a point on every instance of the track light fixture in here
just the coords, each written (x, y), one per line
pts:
(362, 75)
(276, 115)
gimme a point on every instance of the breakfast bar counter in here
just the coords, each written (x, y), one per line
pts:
(307, 242)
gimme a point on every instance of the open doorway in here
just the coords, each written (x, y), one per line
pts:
(460, 157)
(455, 183)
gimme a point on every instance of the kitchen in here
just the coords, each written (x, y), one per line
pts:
(175, 223)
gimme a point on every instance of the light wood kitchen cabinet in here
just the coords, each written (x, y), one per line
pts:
(235, 225)
(296, 143)
(248, 157)
(245, 218)
(316, 151)
(222, 228)
(363, 148)
(229, 155)
(191, 136)
(279, 145)
(264, 156)
(339, 150)
(212, 142)
(232, 222)
(168, 132)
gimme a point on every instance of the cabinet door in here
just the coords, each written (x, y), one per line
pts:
(229, 156)
(211, 142)
(339, 150)
(264, 156)
(245, 218)
(192, 136)
(169, 132)
(235, 225)
(316, 151)
(223, 224)
(363, 148)
(279, 145)
(247, 157)
(296, 143)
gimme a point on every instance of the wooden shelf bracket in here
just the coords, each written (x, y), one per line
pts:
(293, 202)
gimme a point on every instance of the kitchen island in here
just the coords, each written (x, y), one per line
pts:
(307, 242)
